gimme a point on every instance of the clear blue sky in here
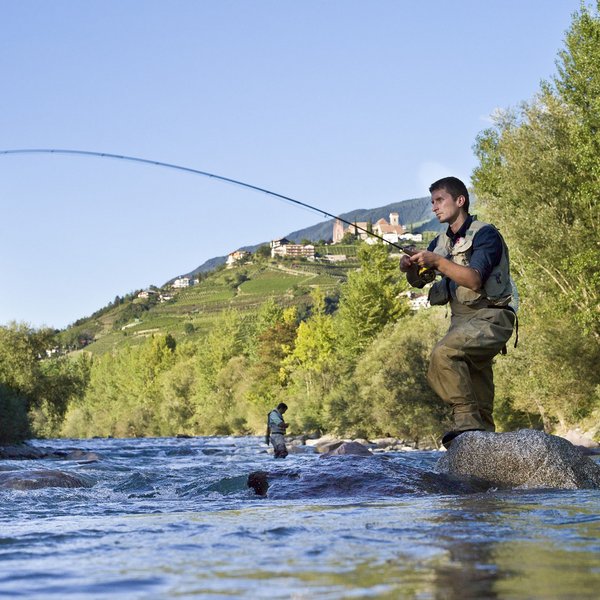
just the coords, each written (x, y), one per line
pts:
(338, 103)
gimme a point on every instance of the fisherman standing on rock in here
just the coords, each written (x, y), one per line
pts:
(472, 259)
(276, 427)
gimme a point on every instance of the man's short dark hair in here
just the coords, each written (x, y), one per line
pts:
(454, 186)
(282, 406)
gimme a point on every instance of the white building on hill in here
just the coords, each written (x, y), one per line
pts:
(283, 247)
(182, 282)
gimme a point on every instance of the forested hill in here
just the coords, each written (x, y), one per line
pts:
(414, 214)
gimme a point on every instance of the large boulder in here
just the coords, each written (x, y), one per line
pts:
(345, 448)
(325, 444)
(525, 458)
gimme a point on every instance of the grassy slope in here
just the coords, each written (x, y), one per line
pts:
(289, 283)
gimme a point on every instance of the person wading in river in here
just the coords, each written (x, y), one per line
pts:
(473, 261)
(276, 427)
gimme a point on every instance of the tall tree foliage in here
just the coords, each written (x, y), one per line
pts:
(370, 299)
(124, 392)
(34, 389)
(273, 342)
(538, 179)
(393, 397)
(313, 367)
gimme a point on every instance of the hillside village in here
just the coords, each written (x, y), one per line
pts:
(392, 232)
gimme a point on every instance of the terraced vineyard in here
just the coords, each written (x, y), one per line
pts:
(193, 311)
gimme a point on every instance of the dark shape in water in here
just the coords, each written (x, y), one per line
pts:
(345, 476)
(257, 480)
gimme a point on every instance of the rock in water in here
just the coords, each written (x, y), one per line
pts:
(33, 480)
(355, 448)
(525, 458)
(258, 481)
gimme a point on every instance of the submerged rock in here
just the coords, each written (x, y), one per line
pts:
(353, 476)
(33, 480)
(26, 451)
(525, 458)
(23, 452)
(82, 456)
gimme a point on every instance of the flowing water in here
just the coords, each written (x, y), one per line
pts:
(174, 518)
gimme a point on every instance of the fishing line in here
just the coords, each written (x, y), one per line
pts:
(158, 163)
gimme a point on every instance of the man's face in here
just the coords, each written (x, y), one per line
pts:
(446, 208)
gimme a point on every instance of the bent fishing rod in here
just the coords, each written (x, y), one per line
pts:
(410, 250)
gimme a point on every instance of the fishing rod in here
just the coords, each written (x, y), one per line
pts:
(409, 250)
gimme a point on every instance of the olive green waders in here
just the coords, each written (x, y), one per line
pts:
(278, 441)
(460, 369)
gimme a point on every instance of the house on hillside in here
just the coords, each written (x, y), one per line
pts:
(283, 247)
(182, 282)
(145, 294)
(334, 258)
(234, 257)
(390, 232)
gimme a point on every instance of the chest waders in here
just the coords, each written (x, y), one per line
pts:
(460, 369)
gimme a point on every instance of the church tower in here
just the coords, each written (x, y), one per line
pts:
(338, 231)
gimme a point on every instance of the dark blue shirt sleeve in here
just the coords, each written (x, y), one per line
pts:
(487, 251)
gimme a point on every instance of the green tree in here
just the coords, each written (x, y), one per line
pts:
(34, 389)
(370, 299)
(537, 179)
(212, 401)
(124, 394)
(393, 397)
(274, 342)
(311, 367)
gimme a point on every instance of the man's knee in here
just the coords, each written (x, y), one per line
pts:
(440, 359)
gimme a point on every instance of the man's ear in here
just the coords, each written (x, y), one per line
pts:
(460, 200)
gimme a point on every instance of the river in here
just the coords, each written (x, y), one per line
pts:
(174, 518)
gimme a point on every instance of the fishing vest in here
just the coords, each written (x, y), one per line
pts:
(275, 422)
(497, 289)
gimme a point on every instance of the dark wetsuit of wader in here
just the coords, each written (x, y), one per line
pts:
(460, 369)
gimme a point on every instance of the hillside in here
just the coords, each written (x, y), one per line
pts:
(414, 214)
(191, 312)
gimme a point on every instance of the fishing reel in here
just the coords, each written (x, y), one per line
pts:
(427, 275)
(421, 276)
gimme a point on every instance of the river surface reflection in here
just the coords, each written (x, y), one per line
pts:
(173, 518)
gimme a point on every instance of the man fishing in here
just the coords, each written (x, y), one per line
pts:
(276, 427)
(473, 261)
